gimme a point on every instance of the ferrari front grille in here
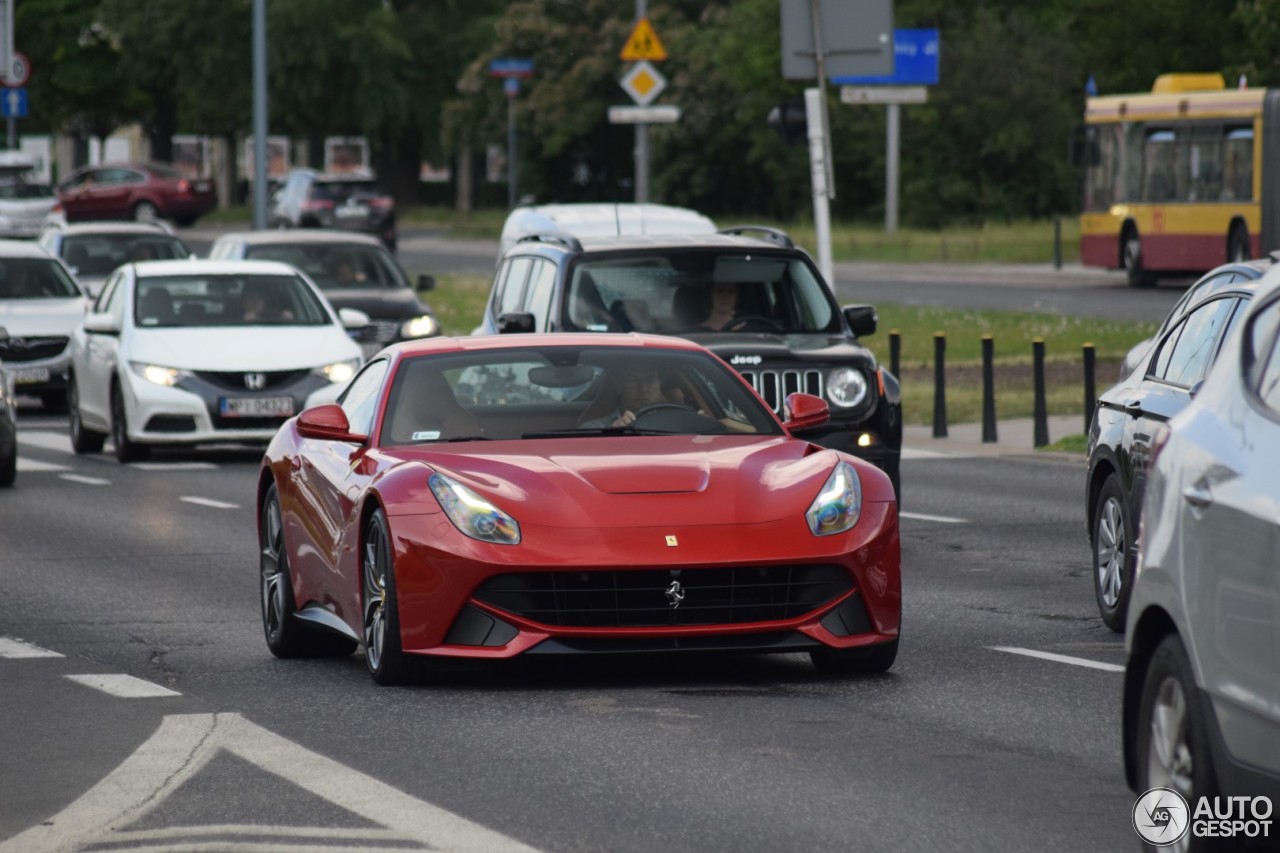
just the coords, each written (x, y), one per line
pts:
(608, 598)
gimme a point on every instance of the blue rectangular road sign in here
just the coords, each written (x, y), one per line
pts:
(511, 67)
(915, 61)
(14, 103)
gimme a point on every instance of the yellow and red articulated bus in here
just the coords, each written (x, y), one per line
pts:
(1179, 179)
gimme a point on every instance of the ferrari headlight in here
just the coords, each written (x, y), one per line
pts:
(838, 505)
(340, 371)
(846, 387)
(419, 327)
(166, 376)
(472, 514)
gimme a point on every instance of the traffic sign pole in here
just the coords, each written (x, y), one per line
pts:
(642, 134)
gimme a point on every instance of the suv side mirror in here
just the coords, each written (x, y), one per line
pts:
(861, 319)
(426, 282)
(352, 318)
(515, 324)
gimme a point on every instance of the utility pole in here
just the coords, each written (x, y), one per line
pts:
(259, 114)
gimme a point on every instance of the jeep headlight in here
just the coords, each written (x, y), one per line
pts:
(473, 515)
(419, 327)
(838, 505)
(166, 376)
(339, 371)
(846, 387)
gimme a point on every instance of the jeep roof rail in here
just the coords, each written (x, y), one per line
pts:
(773, 235)
(569, 241)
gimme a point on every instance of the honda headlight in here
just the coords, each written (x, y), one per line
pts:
(838, 505)
(419, 327)
(846, 387)
(340, 371)
(166, 376)
(473, 515)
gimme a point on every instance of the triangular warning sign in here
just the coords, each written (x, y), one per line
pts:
(642, 44)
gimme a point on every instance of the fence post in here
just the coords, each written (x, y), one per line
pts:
(1041, 409)
(939, 385)
(1090, 395)
(988, 389)
(895, 352)
(1057, 242)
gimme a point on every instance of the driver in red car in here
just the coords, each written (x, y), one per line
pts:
(639, 387)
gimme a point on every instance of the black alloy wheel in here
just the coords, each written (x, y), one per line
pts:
(383, 654)
(126, 449)
(1111, 534)
(83, 440)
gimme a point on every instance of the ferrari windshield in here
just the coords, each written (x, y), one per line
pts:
(539, 392)
(336, 265)
(681, 292)
(227, 300)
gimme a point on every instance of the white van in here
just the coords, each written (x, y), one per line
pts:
(600, 220)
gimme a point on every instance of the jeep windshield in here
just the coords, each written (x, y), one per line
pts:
(685, 293)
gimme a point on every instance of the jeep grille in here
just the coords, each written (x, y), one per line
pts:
(773, 386)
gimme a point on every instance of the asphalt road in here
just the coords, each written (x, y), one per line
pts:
(144, 577)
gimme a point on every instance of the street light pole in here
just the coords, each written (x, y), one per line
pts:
(259, 114)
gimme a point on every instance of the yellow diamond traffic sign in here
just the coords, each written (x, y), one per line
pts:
(643, 83)
(642, 44)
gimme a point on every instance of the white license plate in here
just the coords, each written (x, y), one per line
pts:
(255, 407)
(29, 375)
(352, 212)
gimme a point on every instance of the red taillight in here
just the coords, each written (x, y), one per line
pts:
(184, 186)
(318, 204)
(385, 202)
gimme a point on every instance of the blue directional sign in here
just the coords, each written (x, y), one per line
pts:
(915, 61)
(14, 103)
(510, 67)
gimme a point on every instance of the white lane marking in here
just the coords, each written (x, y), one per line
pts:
(209, 502)
(174, 466)
(47, 440)
(36, 466)
(1032, 653)
(918, 453)
(123, 686)
(944, 519)
(14, 649)
(88, 481)
(184, 744)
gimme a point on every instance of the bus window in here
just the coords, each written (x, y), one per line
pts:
(1237, 181)
(1103, 167)
(1160, 166)
(1205, 162)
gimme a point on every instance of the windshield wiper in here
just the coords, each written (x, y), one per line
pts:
(560, 433)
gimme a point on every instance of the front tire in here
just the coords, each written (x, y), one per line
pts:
(383, 654)
(286, 636)
(864, 660)
(145, 211)
(126, 449)
(9, 468)
(83, 439)
(1173, 736)
(1112, 531)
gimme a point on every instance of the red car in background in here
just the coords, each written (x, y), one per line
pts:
(139, 191)
(496, 496)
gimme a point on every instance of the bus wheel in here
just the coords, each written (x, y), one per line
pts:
(1238, 248)
(1132, 257)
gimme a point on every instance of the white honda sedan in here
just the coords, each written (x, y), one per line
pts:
(195, 352)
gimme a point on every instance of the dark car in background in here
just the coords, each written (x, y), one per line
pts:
(343, 201)
(354, 271)
(1126, 420)
(140, 191)
(93, 250)
(787, 333)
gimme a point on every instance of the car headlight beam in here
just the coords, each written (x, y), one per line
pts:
(846, 387)
(160, 375)
(340, 371)
(837, 507)
(422, 326)
(473, 515)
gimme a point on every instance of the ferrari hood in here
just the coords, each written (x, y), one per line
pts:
(640, 481)
(243, 349)
(32, 317)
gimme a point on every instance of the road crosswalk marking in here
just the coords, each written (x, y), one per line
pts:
(210, 502)
(13, 648)
(1056, 658)
(88, 481)
(123, 686)
(35, 466)
(185, 744)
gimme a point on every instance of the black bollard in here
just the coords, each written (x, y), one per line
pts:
(1057, 242)
(988, 389)
(895, 353)
(1041, 409)
(939, 385)
(1090, 392)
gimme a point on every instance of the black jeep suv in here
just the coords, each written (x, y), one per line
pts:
(758, 302)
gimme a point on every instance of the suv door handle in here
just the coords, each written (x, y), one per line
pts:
(1132, 407)
(1198, 495)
